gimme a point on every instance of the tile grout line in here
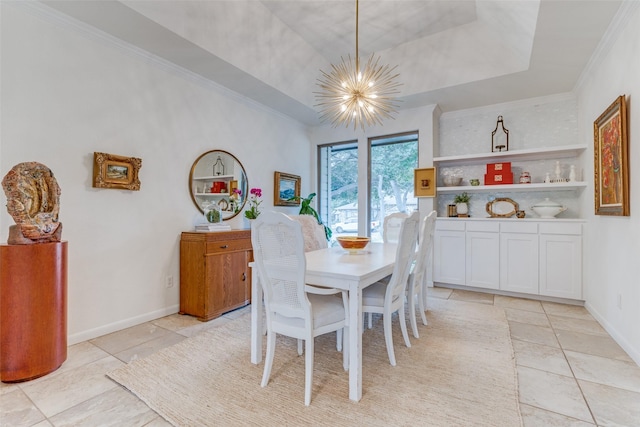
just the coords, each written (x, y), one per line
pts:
(593, 417)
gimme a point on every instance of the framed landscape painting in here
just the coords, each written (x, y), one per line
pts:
(113, 171)
(611, 160)
(285, 187)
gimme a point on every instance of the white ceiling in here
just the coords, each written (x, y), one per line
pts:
(454, 53)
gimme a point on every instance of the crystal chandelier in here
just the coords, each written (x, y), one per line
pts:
(350, 94)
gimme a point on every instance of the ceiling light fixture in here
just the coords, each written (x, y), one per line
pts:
(353, 95)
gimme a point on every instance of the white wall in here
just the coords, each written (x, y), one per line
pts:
(67, 92)
(612, 269)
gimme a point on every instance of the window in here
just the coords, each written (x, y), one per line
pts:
(338, 186)
(392, 160)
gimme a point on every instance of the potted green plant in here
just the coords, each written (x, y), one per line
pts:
(462, 203)
(307, 209)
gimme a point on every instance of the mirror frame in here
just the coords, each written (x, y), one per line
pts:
(192, 180)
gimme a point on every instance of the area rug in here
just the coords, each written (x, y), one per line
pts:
(460, 372)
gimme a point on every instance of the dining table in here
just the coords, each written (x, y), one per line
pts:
(335, 267)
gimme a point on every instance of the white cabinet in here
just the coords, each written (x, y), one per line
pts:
(519, 257)
(534, 257)
(561, 261)
(449, 253)
(482, 254)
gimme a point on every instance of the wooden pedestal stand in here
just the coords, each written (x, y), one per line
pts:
(33, 310)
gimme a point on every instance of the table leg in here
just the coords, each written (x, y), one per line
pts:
(256, 318)
(355, 343)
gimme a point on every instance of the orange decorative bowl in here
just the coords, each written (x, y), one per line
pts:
(353, 244)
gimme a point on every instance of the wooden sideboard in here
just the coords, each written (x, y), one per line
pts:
(214, 274)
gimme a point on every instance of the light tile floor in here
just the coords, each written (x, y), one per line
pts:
(570, 371)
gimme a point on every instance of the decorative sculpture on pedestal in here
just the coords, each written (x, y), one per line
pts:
(33, 200)
(33, 277)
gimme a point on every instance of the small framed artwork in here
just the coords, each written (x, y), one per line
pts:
(424, 182)
(112, 171)
(611, 160)
(285, 187)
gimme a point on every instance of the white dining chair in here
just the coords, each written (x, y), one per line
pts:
(312, 232)
(417, 284)
(390, 233)
(391, 226)
(293, 308)
(385, 298)
(314, 238)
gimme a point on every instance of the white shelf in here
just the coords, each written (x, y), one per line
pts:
(526, 155)
(213, 178)
(560, 186)
(212, 194)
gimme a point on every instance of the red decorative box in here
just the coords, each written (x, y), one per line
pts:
(499, 168)
(498, 178)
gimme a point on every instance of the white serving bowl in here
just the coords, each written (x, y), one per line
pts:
(548, 209)
(452, 181)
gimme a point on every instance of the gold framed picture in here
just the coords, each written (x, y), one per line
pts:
(285, 187)
(424, 182)
(112, 171)
(611, 160)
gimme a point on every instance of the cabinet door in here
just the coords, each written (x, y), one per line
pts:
(561, 266)
(228, 282)
(519, 262)
(449, 257)
(483, 259)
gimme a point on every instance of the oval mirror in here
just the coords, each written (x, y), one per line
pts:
(217, 177)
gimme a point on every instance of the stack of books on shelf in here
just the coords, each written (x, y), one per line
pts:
(219, 226)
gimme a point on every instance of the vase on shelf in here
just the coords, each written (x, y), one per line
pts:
(572, 173)
(462, 208)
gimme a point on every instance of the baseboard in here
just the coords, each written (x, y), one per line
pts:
(121, 324)
(622, 342)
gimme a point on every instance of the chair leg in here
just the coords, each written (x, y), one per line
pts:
(412, 315)
(300, 347)
(339, 340)
(268, 361)
(403, 325)
(388, 338)
(308, 371)
(422, 303)
(370, 320)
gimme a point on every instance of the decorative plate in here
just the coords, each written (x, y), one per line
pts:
(502, 207)
(224, 205)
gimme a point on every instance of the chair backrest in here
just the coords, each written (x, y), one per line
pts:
(312, 232)
(391, 226)
(278, 251)
(405, 254)
(425, 247)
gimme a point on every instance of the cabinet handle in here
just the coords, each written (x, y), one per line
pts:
(224, 246)
(244, 277)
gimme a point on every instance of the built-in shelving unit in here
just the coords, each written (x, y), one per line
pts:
(507, 156)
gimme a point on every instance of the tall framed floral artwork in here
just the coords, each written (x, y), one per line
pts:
(611, 166)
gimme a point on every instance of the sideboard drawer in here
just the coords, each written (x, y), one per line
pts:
(228, 246)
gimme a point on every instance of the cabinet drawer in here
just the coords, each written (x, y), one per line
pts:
(452, 225)
(228, 246)
(488, 226)
(519, 227)
(561, 228)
